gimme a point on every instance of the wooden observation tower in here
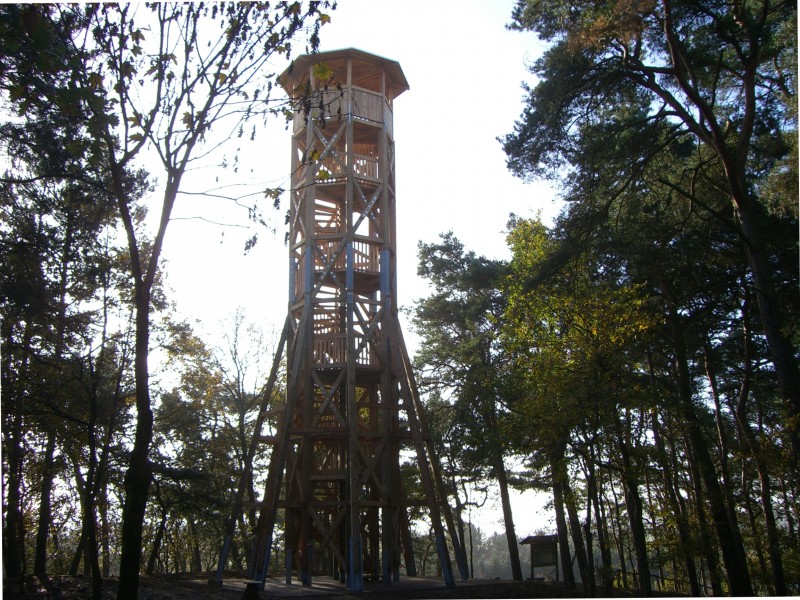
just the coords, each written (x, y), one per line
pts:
(352, 408)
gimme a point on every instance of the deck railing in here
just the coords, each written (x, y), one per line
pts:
(366, 256)
(366, 105)
(366, 260)
(331, 349)
(331, 169)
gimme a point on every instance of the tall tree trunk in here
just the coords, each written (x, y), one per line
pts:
(575, 529)
(508, 519)
(706, 541)
(471, 552)
(13, 423)
(773, 537)
(100, 487)
(499, 467)
(655, 501)
(633, 504)
(758, 546)
(772, 321)
(90, 522)
(92, 485)
(459, 512)
(87, 547)
(196, 565)
(607, 579)
(750, 213)
(139, 474)
(620, 540)
(105, 534)
(14, 531)
(45, 516)
(789, 507)
(738, 574)
(561, 519)
(591, 485)
(724, 449)
(159, 538)
(77, 557)
(747, 434)
(678, 508)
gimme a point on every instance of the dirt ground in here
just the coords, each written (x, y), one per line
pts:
(178, 588)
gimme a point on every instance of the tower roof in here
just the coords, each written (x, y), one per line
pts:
(366, 70)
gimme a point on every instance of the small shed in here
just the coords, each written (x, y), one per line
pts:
(544, 551)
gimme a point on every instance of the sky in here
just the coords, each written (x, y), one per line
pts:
(465, 71)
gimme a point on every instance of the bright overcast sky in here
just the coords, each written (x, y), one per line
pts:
(465, 71)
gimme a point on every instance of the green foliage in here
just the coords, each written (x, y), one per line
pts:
(459, 358)
(572, 336)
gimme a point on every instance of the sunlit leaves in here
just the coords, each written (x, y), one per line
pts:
(323, 74)
(572, 335)
(312, 156)
(274, 194)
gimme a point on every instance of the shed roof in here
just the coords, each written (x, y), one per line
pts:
(540, 540)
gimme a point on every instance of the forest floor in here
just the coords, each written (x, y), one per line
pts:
(183, 588)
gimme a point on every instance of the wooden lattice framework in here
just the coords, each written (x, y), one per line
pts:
(352, 405)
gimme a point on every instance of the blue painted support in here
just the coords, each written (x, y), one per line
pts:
(447, 571)
(386, 297)
(305, 564)
(262, 576)
(288, 565)
(309, 274)
(223, 557)
(355, 581)
(292, 280)
(350, 268)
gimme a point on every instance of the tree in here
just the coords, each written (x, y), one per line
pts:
(217, 401)
(691, 266)
(574, 339)
(722, 74)
(59, 265)
(460, 359)
(152, 80)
